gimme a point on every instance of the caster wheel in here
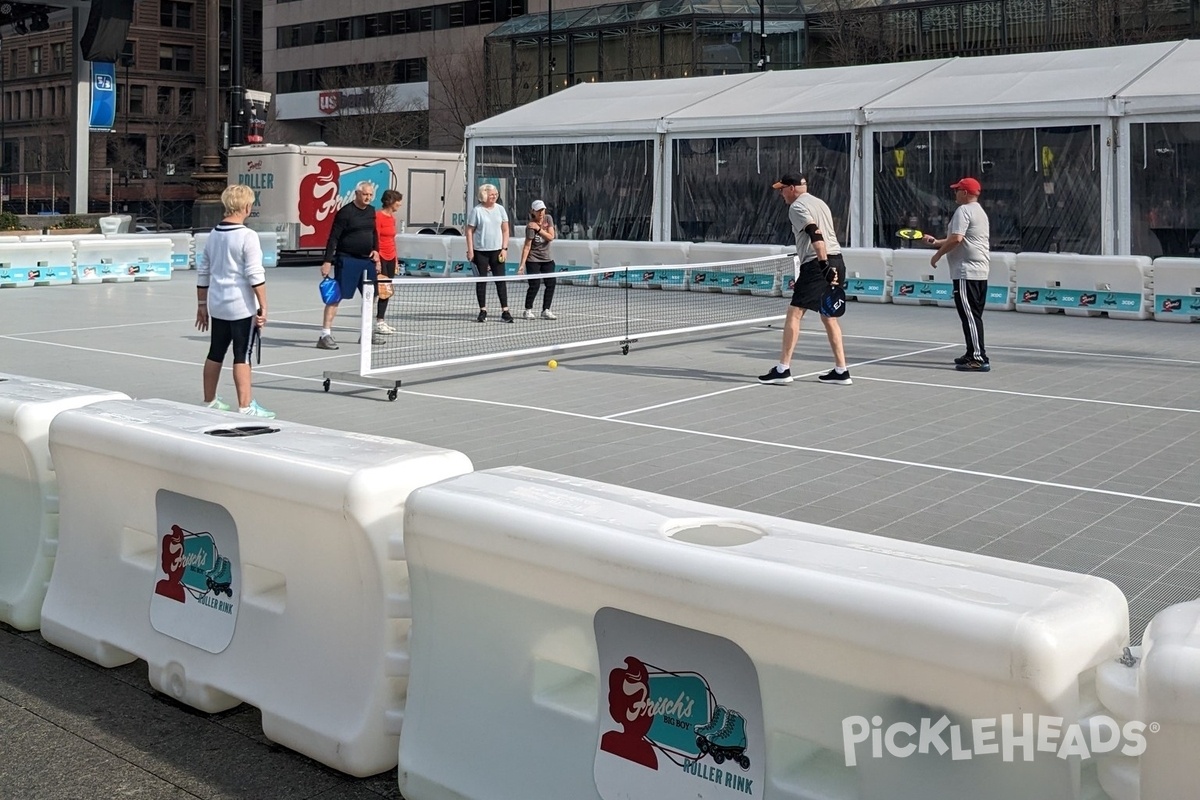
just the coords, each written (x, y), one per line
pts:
(392, 394)
(326, 384)
(625, 350)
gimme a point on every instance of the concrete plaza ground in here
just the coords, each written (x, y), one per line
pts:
(1079, 451)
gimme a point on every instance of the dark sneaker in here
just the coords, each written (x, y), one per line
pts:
(833, 376)
(326, 343)
(776, 376)
(505, 317)
(964, 358)
(482, 316)
(974, 366)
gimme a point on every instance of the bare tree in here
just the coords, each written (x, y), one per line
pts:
(460, 93)
(367, 109)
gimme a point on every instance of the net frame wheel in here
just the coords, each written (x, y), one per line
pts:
(392, 395)
(325, 384)
(624, 349)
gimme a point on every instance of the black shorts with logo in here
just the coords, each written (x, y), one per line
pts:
(811, 283)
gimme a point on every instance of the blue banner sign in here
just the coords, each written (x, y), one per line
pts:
(104, 97)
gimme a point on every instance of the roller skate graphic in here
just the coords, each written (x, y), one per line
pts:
(724, 737)
(219, 580)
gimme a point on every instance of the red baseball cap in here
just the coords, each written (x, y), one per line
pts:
(968, 185)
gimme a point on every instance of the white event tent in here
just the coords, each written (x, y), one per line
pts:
(1051, 135)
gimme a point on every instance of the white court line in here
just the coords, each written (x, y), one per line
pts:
(190, 363)
(1035, 396)
(1015, 349)
(620, 414)
(189, 322)
(818, 450)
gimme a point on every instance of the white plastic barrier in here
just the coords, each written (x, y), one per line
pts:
(762, 650)
(1176, 289)
(512, 261)
(868, 274)
(181, 246)
(269, 240)
(29, 490)
(36, 263)
(263, 568)
(712, 272)
(117, 223)
(426, 256)
(1157, 690)
(60, 237)
(573, 254)
(1084, 286)
(650, 256)
(199, 240)
(143, 257)
(915, 282)
(1002, 282)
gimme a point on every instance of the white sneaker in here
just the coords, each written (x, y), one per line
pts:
(528, 313)
(255, 410)
(383, 327)
(548, 314)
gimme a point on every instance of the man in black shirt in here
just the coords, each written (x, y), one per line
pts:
(352, 253)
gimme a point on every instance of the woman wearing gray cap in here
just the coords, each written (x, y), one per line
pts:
(535, 259)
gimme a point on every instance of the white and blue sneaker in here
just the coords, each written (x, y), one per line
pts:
(218, 404)
(255, 410)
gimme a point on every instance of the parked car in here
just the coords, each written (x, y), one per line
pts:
(150, 224)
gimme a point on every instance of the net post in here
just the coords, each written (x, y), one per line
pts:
(366, 331)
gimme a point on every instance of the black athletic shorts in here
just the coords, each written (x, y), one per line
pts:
(812, 283)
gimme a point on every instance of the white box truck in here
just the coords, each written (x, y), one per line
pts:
(299, 188)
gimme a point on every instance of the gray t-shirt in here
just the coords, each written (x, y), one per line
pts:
(539, 251)
(488, 225)
(972, 258)
(805, 210)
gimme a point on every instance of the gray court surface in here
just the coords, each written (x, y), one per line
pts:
(1078, 451)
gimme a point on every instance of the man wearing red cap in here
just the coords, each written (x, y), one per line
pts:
(967, 248)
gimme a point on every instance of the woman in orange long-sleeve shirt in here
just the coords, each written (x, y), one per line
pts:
(385, 224)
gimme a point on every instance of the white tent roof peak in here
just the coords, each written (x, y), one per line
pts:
(997, 91)
(617, 107)
(804, 99)
(1062, 84)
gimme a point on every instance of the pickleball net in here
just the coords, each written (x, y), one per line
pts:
(434, 320)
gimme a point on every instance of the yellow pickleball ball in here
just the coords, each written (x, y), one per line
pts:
(552, 364)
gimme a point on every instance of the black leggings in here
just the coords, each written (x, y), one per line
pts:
(486, 261)
(389, 269)
(226, 333)
(540, 268)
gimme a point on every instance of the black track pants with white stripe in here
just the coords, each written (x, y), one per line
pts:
(969, 299)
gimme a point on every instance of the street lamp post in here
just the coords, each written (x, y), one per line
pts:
(549, 46)
(762, 36)
(210, 178)
(3, 117)
(237, 111)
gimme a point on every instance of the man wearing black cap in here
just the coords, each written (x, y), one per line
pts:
(966, 247)
(820, 259)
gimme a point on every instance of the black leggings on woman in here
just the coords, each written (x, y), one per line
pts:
(389, 269)
(488, 261)
(532, 269)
